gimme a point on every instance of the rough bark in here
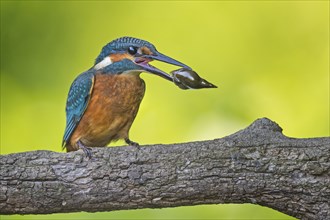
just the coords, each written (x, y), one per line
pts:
(256, 165)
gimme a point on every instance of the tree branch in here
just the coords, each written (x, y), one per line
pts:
(255, 165)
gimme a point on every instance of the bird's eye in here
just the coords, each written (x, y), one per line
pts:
(132, 50)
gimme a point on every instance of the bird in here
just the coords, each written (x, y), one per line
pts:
(103, 101)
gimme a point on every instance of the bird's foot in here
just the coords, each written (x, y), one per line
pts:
(86, 150)
(132, 143)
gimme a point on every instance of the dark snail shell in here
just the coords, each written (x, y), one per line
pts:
(189, 79)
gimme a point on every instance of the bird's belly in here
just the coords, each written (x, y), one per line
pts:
(114, 103)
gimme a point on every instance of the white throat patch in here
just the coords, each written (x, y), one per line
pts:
(105, 62)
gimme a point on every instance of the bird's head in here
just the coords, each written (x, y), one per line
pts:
(128, 54)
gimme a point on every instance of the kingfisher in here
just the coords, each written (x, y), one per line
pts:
(103, 101)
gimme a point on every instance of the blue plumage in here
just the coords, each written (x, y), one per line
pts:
(119, 45)
(78, 97)
(120, 67)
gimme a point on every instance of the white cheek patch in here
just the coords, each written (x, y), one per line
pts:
(105, 62)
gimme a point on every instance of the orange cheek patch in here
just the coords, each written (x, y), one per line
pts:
(120, 56)
(146, 50)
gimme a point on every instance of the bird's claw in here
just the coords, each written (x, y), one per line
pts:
(132, 143)
(87, 151)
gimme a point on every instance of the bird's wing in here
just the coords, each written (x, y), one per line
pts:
(77, 102)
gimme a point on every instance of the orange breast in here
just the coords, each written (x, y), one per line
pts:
(114, 103)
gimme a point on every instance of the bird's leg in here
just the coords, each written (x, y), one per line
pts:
(129, 142)
(86, 150)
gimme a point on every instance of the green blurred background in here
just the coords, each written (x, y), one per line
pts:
(269, 59)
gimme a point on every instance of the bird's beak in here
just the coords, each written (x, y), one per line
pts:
(144, 60)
